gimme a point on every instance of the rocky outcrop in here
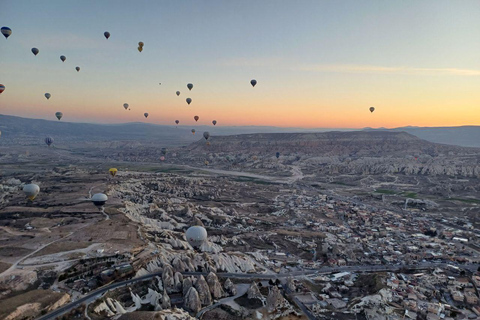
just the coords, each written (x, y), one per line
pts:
(291, 285)
(178, 282)
(191, 301)
(165, 301)
(168, 279)
(60, 302)
(230, 287)
(253, 292)
(275, 300)
(215, 286)
(187, 284)
(203, 291)
(170, 314)
(25, 311)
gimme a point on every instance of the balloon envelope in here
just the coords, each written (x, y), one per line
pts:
(277, 155)
(59, 115)
(99, 199)
(196, 236)
(206, 135)
(78, 69)
(141, 44)
(372, 109)
(189, 100)
(35, 51)
(214, 122)
(49, 141)
(178, 93)
(6, 31)
(196, 118)
(63, 58)
(2, 88)
(113, 171)
(190, 86)
(140, 49)
(125, 105)
(47, 95)
(193, 131)
(146, 114)
(177, 122)
(106, 34)
(253, 82)
(31, 191)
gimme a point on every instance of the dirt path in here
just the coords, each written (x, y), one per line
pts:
(14, 266)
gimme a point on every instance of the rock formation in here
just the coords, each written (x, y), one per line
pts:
(230, 287)
(187, 284)
(215, 286)
(191, 301)
(203, 291)
(276, 301)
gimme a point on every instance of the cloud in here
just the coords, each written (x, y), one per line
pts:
(279, 63)
(362, 69)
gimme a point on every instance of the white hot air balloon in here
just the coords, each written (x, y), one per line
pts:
(31, 191)
(196, 236)
(99, 199)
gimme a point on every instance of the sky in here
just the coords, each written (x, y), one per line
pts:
(318, 64)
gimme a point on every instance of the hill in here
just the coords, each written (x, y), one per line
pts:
(357, 143)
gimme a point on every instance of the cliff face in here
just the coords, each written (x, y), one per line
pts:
(360, 143)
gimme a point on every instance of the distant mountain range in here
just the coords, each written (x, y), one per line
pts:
(22, 130)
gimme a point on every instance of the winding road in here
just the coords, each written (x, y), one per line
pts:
(375, 268)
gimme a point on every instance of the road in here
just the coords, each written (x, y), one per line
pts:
(14, 266)
(99, 292)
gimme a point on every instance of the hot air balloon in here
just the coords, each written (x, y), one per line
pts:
(47, 95)
(6, 31)
(140, 49)
(177, 122)
(141, 44)
(206, 135)
(372, 109)
(178, 93)
(196, 236)
(214, 122)
(125, 105)
(63, 58)
(193, 131)
(208, 143)
(206, 162)
(77, 68)
(253, 82)
(277, 155)
(164, 151)
(196, 118)
(2, 88)
(35, 51)
(31, 191)
(112, 171)
(99, 199)
(146, 114)
(190, 86)
(189, 100)
(49, 141)
(59, 115)
(162, 158)
(106, 34)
